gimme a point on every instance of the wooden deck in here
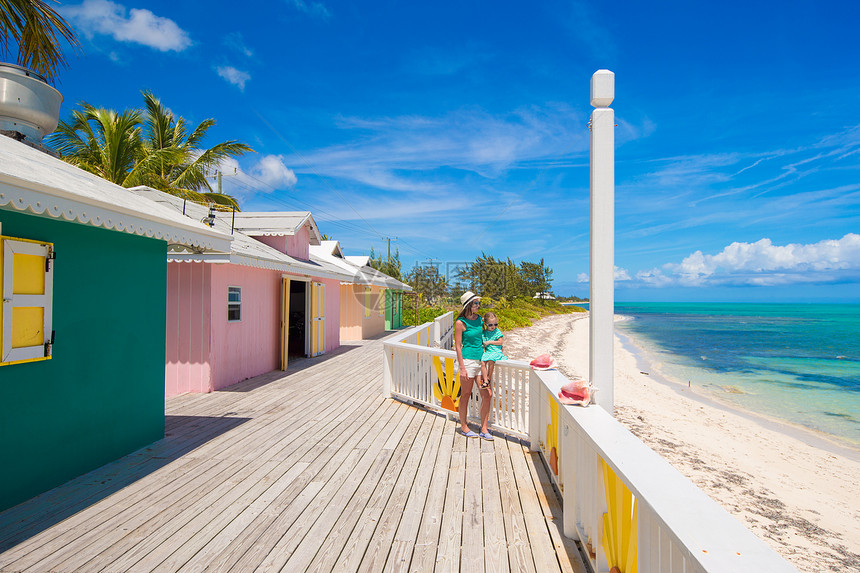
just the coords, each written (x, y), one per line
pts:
(309, 470)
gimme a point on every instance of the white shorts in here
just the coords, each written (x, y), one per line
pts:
(473, 367)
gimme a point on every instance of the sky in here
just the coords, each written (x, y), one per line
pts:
(460, 128)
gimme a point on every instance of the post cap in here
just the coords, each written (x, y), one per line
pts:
(602, 88)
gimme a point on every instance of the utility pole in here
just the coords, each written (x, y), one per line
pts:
(218, 174)
(389, 251)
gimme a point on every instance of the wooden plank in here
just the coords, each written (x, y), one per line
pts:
(565, 548)
(356, 545)
(402, 549)
(451, 533)
(495, 542)
(267, 532)
(301, 545)
(541, 545)
(90, 540)
(148, 536)
(427, 536)
(397, 508)
(472, 554)
(519, 547)
(348, 520)
(259, 528)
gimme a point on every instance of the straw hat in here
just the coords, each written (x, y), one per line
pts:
(468, 297)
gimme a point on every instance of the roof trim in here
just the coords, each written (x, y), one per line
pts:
(38, 199)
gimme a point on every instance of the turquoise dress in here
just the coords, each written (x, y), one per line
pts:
(473, 344)
(492, 352)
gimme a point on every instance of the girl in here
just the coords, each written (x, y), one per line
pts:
(492, 337)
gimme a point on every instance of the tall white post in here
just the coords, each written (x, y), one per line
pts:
(602, 287)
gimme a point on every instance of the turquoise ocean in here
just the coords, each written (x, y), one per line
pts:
(799, 363)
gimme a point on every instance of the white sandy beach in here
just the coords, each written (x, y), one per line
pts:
(791, 487)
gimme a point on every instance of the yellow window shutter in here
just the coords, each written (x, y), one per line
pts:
(27, 296)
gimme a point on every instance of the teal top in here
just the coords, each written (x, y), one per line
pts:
(492, 352)
(473, 342)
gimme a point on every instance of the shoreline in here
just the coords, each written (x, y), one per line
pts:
(797, 496)
(810, 436)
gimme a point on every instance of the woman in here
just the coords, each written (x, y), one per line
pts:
(469, 344)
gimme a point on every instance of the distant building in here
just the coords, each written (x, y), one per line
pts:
(544, 296)
(371, 301)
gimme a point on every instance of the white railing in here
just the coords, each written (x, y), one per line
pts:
(418, 335)
(443, 331)
(624, 503)
(429, 376)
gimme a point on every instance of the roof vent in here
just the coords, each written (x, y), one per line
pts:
(28, 105)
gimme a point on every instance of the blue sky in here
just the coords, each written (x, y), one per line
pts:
(460, 127)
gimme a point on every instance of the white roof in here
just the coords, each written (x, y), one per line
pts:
(360, 260)
(331, 253)
(277, 223)
(245, 250)
(34, 181)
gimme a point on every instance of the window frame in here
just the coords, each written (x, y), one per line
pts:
(12, 246)
(234, 305)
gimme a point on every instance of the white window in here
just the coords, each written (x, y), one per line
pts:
(28, 285)
(234, 304)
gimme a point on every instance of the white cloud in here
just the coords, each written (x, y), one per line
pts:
(762, 264)
(272, 171)
(136, 26)
(234, 76)
(399, 153)
(316, 9)
(236, 41)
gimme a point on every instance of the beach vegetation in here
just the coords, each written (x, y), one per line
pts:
(34, 32)
(389, 265)
(147, 146)
(507, 288)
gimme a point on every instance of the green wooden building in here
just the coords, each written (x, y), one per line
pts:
(83, 265)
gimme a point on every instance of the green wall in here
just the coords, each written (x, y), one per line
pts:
(101, 396)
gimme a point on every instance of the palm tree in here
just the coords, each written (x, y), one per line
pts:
(103, 142)
(36, 28)
(175, 161)
(150, 147)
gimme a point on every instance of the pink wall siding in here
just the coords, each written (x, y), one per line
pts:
(298, 245)
(187, 364)
(205, 352)
(250, 346)
(277, 243)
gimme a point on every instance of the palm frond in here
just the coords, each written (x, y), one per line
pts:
(37, 30)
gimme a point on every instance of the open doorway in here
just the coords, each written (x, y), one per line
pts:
(298, 319)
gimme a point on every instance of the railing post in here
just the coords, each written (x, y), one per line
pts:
(602, 272)
(535, 388)
(387, 371)
(567, 454)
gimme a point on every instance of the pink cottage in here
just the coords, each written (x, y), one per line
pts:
(232, 316)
